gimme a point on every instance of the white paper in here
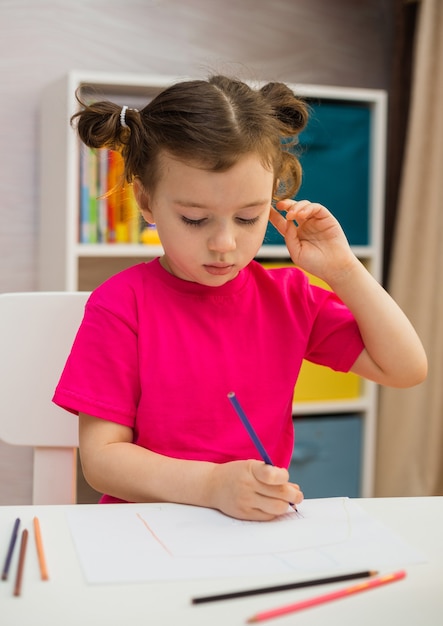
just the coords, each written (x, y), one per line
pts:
(148, 542)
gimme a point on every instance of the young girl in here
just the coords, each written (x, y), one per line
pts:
(163, 343)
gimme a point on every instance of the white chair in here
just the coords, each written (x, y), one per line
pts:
(36, 333)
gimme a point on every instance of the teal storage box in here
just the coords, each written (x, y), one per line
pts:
(327, 455)
(334, 151)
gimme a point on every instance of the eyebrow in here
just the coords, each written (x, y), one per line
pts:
(190, 204)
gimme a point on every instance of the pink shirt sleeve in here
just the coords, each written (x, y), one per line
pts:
(106, 341)
(335, 339)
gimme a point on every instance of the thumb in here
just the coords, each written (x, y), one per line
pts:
(278, 221)
(269, 474)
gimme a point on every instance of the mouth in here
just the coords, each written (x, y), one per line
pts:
(218, 269)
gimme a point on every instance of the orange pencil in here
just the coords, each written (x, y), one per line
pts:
(40, 550)
(21, 563)
(328, 597)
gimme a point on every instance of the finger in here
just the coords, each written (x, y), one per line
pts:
(307, 210)
(272, 482)
(286, 492)
(298, 212)
(277, 501)
(273, 507)
(278, 221)
(269, 474)
(290, 205)
(299, 495)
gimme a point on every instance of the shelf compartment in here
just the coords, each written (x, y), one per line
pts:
(326, 461)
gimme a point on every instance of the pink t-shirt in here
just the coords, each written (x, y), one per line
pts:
(160, 355)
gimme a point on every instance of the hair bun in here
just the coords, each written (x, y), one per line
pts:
(290, 110)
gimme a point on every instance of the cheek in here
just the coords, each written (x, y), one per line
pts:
(175, 235)
(260, 231)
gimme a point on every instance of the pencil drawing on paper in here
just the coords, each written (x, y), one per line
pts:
(175, 542)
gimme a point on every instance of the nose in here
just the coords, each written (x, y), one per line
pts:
(222, 239)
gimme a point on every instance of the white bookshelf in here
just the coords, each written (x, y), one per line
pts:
(65, 264)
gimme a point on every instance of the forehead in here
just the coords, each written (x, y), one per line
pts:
(248, 164)
(246, 182)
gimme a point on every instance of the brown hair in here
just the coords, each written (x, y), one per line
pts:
(209, 122)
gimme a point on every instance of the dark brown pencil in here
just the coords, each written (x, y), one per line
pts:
(21, 563)
(284, 587)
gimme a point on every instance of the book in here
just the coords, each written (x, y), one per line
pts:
(108, 211)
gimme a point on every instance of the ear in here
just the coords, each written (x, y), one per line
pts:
(143, 200)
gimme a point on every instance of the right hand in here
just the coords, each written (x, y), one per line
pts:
(252, 490)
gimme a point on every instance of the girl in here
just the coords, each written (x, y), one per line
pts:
(163, 343)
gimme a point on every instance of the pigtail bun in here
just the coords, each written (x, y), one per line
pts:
(291, 111)
(292, 115)
(100, 125)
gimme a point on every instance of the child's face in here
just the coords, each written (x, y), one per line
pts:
(211, 224)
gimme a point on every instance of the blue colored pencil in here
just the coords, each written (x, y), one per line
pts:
(10, 549)
(255, 438)
(247, 424)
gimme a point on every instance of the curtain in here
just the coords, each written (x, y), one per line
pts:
(404, 18)
(410, 425)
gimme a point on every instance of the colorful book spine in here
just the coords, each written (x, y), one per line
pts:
(112, 185)
(102, 209)
(108, 210)
(93, 194)
(84, 196)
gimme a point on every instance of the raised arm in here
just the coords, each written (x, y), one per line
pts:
(393, 354)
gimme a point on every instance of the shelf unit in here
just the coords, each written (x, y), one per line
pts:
(65, 264)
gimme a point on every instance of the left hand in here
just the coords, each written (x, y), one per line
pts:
(316, 242)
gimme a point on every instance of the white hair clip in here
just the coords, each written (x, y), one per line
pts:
(123, 116)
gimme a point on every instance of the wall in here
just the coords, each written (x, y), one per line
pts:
(336, 42)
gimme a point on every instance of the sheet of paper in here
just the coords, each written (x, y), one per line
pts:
(147, 542)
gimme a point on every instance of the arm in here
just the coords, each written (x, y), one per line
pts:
(244, 489)
(393, 353)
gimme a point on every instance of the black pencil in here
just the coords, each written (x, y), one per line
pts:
(284, 587)
(10, 549)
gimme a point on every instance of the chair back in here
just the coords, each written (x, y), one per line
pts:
(36, 333)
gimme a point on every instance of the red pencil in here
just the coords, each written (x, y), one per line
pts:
(334, 595)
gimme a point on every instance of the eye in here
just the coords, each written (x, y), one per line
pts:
(249, 221)
(190, 222)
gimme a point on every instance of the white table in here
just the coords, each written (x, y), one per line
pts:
(66, 599)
